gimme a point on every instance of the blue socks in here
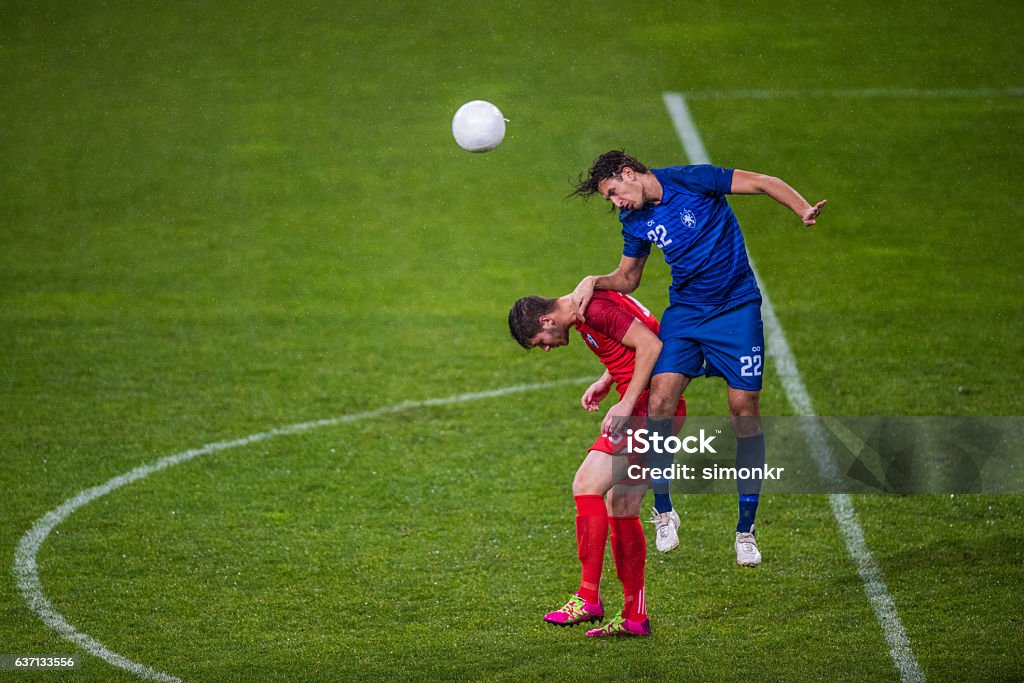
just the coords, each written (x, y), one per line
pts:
(748, 509)
(663, 500)
(750, 453)
(662, 487)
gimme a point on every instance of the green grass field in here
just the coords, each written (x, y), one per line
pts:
(218, 219)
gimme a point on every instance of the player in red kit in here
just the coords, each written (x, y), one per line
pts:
(624, 336)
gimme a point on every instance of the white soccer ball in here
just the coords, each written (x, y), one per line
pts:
(478, 126)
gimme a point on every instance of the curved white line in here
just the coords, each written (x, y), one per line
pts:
(26, 571)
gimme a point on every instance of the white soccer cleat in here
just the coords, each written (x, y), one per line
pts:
(747, 554)
(666, 525)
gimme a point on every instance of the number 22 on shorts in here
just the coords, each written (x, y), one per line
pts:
(751, 365)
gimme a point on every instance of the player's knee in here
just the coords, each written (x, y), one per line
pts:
(745, 404)
(666, 390)
(578, 485)
(584, 485)
(623, 503)
(745, 409)
(662, 404)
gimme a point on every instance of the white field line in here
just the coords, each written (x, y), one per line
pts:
(866, 93)
(800, 399)
(26, 571)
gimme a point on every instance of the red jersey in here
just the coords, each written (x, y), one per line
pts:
(609, 315)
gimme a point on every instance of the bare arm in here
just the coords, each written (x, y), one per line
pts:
(625, 279)
(647, 347)
(745, 182)
(596, 392)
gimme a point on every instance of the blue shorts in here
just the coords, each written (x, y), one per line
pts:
(724, 340)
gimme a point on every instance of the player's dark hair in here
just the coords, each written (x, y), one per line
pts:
(607, 166)
(524, 318)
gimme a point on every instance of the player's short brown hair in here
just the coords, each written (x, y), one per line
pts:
(524, 318)
(607, 166)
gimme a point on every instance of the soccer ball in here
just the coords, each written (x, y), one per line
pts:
(478, 126)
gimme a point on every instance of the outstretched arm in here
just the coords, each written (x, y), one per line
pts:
(625, 279)
(745, 182)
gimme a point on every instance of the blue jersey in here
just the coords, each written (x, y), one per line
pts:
(698, 233)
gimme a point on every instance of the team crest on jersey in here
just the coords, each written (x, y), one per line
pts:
(592, 341)
(687, 218)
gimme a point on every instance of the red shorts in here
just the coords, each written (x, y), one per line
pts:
(614, 445)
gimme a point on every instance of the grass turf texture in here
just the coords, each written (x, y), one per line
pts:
(214, 221)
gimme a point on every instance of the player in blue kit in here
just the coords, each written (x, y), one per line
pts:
(713, 325)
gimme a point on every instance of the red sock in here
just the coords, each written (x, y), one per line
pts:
(629, 548)
(591, 536)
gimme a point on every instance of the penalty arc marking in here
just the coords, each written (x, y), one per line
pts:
(26, 570)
